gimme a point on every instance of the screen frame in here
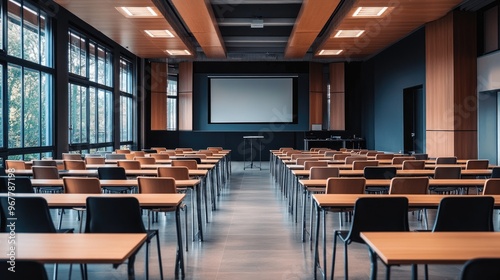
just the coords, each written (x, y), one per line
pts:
(294, 96)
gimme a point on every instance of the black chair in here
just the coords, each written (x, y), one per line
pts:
(113, 173)
(198, 160)
(495, 172)
(103, 217)
(446, 160)
(446, 172)
(23, 270)
(379, 172)
(372, 214)
(420, 156)
(481, 268)
(15, 184)
(150, 151)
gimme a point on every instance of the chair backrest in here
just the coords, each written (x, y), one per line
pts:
(421, 156)
(23, 270)
(409, 185)
(378, 214)
(149, 151)
(301, 160)
(176, 172)
(495, 172)
(197, 159)
(446, 160)
(447, 172)
(379, 172)
(200, 156)
(361, 164)
(291, 152)
(130, 156)
(170, 153)
(477, 164)
(138, 153)
(71, 156)
(323, 172)
(297, 156)
(400, 160)
(384, 156)
(215, 149)
(491, 186)
(340, 156)
(345, 185)
(146, 160)
(95, 160)
(15, 184)
(74, 164)
(129, 164)
(351, 159)
(45, 172)
(465, 213)
(160, 156)
(481, 268)
(308, 164)
(156, 185)
(115, 156)
(159, 149)
(373, 153)
(15, 164)
(206, 152)
(81, 185)
(122, 151)
(413, 164)
(190, 164)
(32, 215)
(44, 162)
(112, 173)
(331, 153)
(114, 215)
(284, 149)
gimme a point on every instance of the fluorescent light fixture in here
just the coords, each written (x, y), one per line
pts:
(137, 12)
(159, 33)
(257, 23)
(330, 52)
(349, 33)
(178, 52)
(369, 11)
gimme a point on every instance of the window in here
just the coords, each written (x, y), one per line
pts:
(29, 76)
(126, 101)
(172, 98)
(90, 94)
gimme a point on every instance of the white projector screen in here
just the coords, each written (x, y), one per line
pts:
(251, 99)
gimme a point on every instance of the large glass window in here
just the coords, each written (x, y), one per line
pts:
(172, 97)
(126, 101)
(29, 77)
(90, 94)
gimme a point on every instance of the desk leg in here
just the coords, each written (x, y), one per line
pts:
(316, 245)
(304, 215)
(179, 258)
(198, 210)
(130, 267)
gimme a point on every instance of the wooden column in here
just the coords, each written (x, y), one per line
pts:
(159, 95)
(186, 96)
(451, 114)
(337, 96)
(315, 94)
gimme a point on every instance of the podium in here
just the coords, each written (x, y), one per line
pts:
(252, 141)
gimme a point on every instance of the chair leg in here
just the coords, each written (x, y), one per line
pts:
(334, 253)
(426, 272)
(159, 255)
(346, 264)
(147, 259)
(55, 272)
(373, 258)
(186, 225)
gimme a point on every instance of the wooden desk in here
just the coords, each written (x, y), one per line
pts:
(348, 200)
(145, 200)
(93, 172)
(432, 247)
(416, 172)
(308, 183)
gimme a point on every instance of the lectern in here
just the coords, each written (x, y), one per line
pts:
(252, 141)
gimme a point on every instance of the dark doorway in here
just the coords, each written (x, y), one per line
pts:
(413, 132)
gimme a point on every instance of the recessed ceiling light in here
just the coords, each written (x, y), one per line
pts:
(178, 52)
(369, 11)
(159, 33)
(349, 33)
(330, 52)
(138, 12)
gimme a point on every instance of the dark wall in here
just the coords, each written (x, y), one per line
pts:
(386, 76)
(202, 71)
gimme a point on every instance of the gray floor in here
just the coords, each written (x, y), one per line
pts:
(250, 236)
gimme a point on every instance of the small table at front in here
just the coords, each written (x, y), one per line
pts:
(69, 200)
(73, 248)
(395, 248)
(251, 139)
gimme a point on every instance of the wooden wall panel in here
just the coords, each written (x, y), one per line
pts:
(337, 96)
(315, 94)
(158, 112)
(186, 96)
(451, 81)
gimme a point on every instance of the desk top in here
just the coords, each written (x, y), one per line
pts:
(386, 182)
(433, 247)
(93, 172)
(407, 172)
(73, 248)
(111, 183)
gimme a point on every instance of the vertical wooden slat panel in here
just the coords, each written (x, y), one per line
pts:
(337, 96)
(315, 94)
(451, 114)
(159, 96)
(186, 96)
